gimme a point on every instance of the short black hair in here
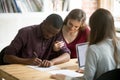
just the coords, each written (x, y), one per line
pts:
(55, 20)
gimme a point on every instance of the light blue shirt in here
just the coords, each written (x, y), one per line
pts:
(99, 59)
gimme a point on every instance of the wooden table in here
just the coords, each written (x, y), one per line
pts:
(22, 72)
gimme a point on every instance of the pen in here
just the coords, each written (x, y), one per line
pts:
(35, 54)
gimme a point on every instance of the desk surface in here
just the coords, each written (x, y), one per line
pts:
(22, 72)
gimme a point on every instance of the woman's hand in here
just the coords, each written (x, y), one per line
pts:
(58, 45)
(58, 76)
(80, 70)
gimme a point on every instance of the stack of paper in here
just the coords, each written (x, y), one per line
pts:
(56, 70)
(67, 73)
(44, 68)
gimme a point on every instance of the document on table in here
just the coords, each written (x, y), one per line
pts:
(67, 73)
(56, 70)
(44, 68)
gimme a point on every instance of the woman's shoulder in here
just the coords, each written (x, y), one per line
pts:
(118, 42)
(86, 30)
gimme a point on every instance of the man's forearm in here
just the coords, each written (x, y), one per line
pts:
(61, 59)
(14, 59)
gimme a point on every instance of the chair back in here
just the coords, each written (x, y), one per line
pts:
(2, 55)
(110, 75)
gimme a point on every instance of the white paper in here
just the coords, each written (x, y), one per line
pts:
(44, 68)
(67, 73)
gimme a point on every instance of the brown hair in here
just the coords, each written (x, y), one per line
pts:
(102, 27)
(76, 14)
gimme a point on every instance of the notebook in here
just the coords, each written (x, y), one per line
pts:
(81, 49)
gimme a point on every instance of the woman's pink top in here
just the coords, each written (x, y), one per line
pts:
(82, 37)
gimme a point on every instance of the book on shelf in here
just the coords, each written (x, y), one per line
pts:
(23, 6)
(13, 6)
(10, 8)
(4, 6)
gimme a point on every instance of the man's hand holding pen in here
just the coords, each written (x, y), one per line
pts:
(38, 62)
(46, 63)
(58, 45)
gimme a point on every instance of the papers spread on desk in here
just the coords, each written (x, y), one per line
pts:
(44, 68)
(56, 70)
(67, 73)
